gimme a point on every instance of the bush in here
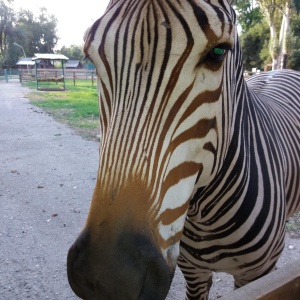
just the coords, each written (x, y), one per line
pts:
(255, 46)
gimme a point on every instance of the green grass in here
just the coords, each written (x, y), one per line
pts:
(293, 225)
(77, 106)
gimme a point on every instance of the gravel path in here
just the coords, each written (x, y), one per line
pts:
(47, 176)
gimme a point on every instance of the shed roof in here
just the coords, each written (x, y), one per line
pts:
(72, 63)
(49, 56)
(27, 61)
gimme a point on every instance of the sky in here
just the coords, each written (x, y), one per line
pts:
(74, 17)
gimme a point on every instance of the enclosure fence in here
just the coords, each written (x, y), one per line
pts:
(56, 75)
(9, 74)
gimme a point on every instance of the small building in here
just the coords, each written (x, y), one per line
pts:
(27, 61)
(46, 76)
(47, 60)
(73, 64)
(24, 63)
(45, 64)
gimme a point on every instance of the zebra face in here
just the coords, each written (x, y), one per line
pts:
(160, 70)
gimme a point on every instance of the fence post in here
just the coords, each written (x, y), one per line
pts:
(74, 77)
(20, 75)
(36, 76)
(63, 73)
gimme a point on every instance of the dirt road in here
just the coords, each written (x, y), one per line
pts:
(47, 175)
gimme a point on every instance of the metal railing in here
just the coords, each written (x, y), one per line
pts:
(8, 74)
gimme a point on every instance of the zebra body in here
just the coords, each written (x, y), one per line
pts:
(236, 224)
(196, 165)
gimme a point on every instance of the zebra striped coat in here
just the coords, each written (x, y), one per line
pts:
(197, 166)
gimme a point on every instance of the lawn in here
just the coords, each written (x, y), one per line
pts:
(77, 106)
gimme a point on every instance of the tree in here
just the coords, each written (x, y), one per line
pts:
(256, 31)
(286, 32)
(73, 52)
(294, 55)
(24, 31)
(7, 18)
(47, 37)
(255, 57)
(278, 12)
(36, 34)
(268, 8)
(248, 14)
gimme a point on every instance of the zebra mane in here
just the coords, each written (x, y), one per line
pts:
(112, 2)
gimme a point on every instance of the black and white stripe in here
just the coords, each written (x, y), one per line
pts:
(203, 158)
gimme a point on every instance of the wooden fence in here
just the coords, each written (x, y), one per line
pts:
(56, 75)
(282, 284)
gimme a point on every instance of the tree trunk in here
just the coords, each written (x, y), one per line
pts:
(269, 10)
(273, 47)
(283, 38)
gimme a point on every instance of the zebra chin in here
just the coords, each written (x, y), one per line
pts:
(131, 268)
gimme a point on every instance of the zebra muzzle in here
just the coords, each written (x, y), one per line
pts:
(128, 267)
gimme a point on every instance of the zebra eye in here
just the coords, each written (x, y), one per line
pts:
(218, 53)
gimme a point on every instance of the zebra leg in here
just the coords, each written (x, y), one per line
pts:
(198, 281)
(255, 271)
(245, 278)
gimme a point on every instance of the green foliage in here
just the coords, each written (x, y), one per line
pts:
(7, 19)
(247, 14)
(73, 52)
(255, 37)
(254, 44)
(296, 4)
(294, 60)
(37, 34)
(34, 33)
(294, 57)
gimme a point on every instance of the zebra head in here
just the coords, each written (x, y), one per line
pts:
(161, 67)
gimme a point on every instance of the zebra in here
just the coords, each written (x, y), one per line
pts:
(197, 167)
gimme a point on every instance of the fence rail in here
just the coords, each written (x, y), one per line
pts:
(9, 74)
(55, 75)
